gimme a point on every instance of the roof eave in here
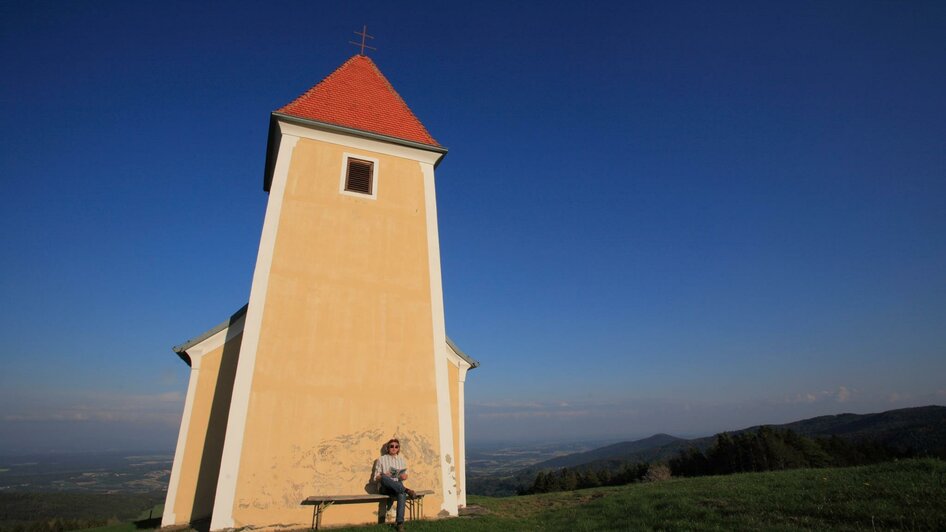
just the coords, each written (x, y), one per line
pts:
(181, 350)
(272, 143)
(469, 360)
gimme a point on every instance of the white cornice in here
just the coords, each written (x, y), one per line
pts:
(313, 132)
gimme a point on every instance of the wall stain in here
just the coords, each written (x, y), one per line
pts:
(343, 465)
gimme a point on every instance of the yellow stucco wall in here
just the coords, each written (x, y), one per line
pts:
(207, 428)
(345, 357)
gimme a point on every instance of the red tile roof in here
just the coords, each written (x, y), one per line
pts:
(358, 96)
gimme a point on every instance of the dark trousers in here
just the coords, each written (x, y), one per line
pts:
(393, 486)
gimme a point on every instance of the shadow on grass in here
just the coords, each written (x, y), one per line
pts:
(151, 523)
(154, 523)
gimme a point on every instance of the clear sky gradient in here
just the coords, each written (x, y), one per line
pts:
(679, 217)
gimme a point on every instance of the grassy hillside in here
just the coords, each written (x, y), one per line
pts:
(906, 495)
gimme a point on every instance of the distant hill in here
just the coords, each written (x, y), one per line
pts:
(920, 430)
(645, 450)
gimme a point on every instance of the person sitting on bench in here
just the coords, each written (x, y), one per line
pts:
(391, 472)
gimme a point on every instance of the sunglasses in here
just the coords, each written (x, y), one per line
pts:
(394, 446)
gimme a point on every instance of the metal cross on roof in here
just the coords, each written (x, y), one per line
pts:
(364, 35)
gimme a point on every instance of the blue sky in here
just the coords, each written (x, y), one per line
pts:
(679, 217)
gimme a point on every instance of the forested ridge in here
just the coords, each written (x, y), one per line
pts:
(765, 449)
(826, 441)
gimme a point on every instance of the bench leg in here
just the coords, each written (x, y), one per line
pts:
(317, 514)
(383, 511)
(415, 508)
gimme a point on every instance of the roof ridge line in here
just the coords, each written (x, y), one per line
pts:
(398, 95)
(359, 96)
(323, 80)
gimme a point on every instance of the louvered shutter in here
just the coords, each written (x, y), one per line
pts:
(359, 176)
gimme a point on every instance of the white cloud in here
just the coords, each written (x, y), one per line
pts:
(843, 394)
(526, 409)
(803, 398)
(56, 419)
(162, 408)
(506, 404)
(550, 414)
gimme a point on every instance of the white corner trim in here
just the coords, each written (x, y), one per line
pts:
(358, 143)
(449, 480)
(375, 166)
(242, 383)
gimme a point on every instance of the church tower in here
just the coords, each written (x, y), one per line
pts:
(344, 340)
(342, 345)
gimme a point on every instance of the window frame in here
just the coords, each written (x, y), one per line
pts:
(346, 158)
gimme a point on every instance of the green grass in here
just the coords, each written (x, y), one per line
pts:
(24, 510)
(149, 519)
(905, 495)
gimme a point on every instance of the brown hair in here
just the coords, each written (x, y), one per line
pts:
(393, 440)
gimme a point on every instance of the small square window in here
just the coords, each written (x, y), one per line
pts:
(360, 176)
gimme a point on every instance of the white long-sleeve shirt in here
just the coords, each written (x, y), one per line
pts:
(390, 465)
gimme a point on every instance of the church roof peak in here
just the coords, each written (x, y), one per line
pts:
(358, 96)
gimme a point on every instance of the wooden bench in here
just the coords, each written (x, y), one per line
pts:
(415, 504)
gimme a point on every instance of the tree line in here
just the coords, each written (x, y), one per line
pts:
(766, 449)
(769, 449)
(567, 479)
